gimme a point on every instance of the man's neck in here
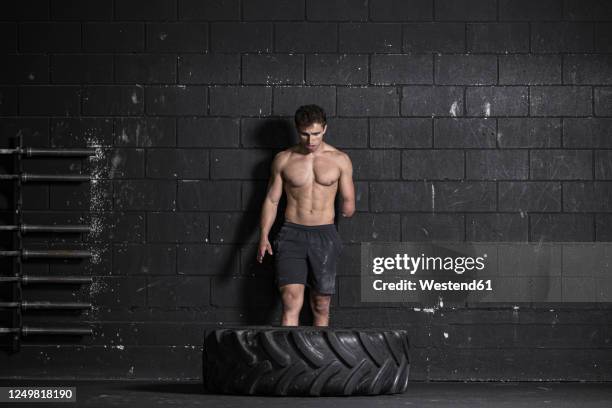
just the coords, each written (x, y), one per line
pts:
(303, 150)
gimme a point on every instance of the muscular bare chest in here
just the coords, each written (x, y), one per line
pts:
(306, 171)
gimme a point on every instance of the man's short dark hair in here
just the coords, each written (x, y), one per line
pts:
(306, 115)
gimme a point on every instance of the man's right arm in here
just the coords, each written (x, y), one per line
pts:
(346, 186)
(270, 205)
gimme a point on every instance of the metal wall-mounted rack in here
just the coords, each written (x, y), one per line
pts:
(18, 305)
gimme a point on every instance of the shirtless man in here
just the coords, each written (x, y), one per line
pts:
(308, 244)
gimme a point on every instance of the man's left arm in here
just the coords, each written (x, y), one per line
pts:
(346, 187)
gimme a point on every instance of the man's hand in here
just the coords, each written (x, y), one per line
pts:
(264, 246)
(270, 205)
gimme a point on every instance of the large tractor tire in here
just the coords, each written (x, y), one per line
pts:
(305, 361)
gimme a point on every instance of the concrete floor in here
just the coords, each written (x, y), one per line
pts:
(137, 393)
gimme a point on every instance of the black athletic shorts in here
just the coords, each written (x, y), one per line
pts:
(307, 254)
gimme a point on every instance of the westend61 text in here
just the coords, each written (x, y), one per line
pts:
(429, 284)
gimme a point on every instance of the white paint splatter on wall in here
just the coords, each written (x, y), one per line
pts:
(454, 109)
(96, 192)
(433, 198)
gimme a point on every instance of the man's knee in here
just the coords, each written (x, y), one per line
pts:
(320, 303)
(292, 297)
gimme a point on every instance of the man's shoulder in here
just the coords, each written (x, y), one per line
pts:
(333, 150)
(283, 154)
(337, 153)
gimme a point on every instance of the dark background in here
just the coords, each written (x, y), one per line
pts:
(188, 101)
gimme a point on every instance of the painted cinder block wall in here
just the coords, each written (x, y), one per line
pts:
(466, 120)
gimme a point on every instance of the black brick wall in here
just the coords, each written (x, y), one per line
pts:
(502, 107)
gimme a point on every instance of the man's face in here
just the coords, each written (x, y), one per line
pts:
(311, 137)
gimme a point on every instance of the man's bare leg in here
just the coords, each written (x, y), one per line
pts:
(319, 303)
(293, 298)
